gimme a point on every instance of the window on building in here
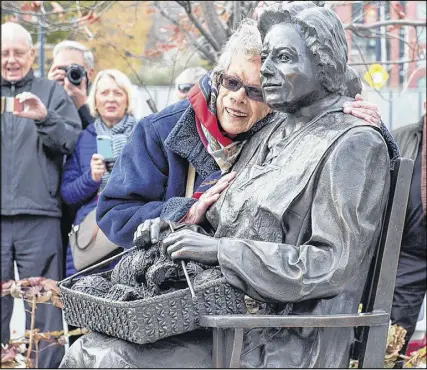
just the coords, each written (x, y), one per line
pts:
(421, 10)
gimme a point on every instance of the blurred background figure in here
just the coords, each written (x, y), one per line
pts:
(72, 60)
(410, 288)
(43, 127)
(186, 80)
(87, 171)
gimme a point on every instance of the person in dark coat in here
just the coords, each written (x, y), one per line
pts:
(411, 275)
(34, 142)
(71, 52)
(65, 54)
(158, 153)
(85, 172)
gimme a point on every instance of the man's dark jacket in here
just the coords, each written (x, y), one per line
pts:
(32, 151)
(408, 138)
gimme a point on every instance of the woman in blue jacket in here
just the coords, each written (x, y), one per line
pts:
(86, 172)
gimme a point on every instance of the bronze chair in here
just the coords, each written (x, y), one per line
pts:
(371, 324)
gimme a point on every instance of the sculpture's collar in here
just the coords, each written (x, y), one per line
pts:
(321, 105)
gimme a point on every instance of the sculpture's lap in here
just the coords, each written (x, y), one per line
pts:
(95, 350)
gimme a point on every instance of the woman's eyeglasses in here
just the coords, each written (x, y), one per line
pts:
(234, 83)
(184, 88)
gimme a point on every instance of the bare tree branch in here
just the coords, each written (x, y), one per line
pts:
(213, 22)
(187, 7)
(395, 22)
(209, 56)
(388, 62)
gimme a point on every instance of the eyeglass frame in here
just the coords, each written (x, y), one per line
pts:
(241, 84)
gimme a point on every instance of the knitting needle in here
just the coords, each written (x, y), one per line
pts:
(187, 277)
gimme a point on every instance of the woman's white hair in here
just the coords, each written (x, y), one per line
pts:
(122, 81)
(73, 45)
(246, 41)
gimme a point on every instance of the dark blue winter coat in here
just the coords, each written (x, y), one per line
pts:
(149, 177)
(77, 186)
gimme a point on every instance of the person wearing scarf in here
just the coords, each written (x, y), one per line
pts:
(150, 175)
(85, 173)
(410, 288)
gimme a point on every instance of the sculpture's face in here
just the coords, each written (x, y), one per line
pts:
(288, 71)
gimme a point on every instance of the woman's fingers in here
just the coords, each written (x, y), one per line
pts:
(366, 116)
(155, 230)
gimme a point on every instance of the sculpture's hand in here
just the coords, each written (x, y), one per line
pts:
(190, 245)
(364, 110)
(196, 214)
(149, 230)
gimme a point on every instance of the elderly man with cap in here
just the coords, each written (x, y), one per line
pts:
(39, 125)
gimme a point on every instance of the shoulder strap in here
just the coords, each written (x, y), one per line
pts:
(191, 176)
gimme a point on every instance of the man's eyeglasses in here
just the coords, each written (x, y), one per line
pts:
(234, 83)
(184, 88)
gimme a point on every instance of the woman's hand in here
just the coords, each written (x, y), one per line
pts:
(364, 110)
(33, 107)
(197, 213)
(150, 230)
(190, 245)
(97, 167)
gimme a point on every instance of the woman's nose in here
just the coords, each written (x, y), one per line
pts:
(239, 95)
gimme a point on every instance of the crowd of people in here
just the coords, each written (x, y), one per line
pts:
(82, 179)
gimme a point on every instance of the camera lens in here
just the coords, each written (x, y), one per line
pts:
(75, 75)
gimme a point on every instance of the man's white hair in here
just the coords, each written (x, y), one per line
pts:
(11, 28)
(246, 41)
(73, 45)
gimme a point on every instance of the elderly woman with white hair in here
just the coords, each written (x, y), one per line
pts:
(86, 172)
(207, 131)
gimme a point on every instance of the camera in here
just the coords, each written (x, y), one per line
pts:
(75, 73)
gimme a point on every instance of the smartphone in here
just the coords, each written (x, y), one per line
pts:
(10, 104)
(104, 146)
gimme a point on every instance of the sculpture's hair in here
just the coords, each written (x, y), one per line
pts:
(73, 45)
(122, 81)
(352, 83)
(244, 41)
(324, 36)
(11, 28)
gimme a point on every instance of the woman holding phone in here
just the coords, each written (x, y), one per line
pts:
(87, 171)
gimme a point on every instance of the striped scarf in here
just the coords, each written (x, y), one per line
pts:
(119, 134)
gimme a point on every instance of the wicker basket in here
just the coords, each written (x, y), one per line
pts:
(148, 320)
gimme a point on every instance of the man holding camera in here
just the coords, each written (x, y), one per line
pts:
(73, 68)
(39, 125)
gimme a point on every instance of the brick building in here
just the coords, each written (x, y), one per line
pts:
(394, 49)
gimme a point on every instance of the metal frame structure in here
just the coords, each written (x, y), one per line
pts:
(371, 324)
